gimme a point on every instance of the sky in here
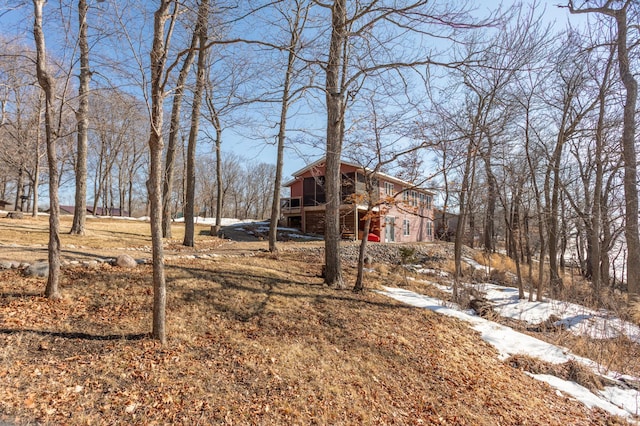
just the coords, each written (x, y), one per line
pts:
(242, 140)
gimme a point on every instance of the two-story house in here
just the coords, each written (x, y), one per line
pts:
(402, 212)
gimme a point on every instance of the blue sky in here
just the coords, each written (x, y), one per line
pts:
(241, 140)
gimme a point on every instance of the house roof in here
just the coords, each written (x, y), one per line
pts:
(321, 161)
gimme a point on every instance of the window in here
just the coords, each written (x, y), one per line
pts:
(429, 229)
(388, 189)
(429, 202)
(313, 191)
(405, 195)
(405, 227)
(414, 198)
(348, 188)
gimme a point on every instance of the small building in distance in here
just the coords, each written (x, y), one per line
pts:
(402, 212)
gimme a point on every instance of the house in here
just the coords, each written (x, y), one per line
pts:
(445, 224)
(101, 211)
(66, 210)
(402, 212)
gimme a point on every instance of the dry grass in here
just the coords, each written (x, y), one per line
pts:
(494, 260)
(255, 340)
(570, 370)
(100, 233)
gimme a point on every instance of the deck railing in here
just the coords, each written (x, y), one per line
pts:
(291, 205)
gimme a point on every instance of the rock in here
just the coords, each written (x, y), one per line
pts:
(6, 264)
(15, 215)
(126, 261)
(39, 269)
(481, 306)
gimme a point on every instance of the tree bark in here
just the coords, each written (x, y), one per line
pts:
(189, 210)
(169, 165)
(219, 189)
(628, 142)
(282, 130)
(335, 131)
(630, 159)
(82, 117)
(47, 84)
(154, 184)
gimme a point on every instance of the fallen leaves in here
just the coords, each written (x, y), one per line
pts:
(262, 343)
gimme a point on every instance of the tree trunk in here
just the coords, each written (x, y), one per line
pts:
(82, 117)
(36, 172)
(630, 161)
(489, 217)
(189, 210)
(362, 252)
(154, 184)
(282, 129)
(335, 130)
(462, 218)
(19, 189)
(169, 165)
(47, 84)
(219, 189)
(552, 196)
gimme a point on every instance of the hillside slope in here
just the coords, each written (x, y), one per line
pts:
(253, 340)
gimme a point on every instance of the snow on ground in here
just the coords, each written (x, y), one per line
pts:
(582, 394)
(601, 324)
(616, 400)
(225, 221)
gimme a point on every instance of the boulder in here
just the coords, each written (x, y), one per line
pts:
(38, 269)
(6, 264)
(126, 261)
(15, 215)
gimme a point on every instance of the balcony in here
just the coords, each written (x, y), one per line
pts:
(291, 205)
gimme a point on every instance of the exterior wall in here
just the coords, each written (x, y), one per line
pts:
(420, 228)
(296, 189)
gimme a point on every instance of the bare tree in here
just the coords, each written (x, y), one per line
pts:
(621, 17)
(386, 140)
(201, 30)
(47, 84)
(159, 50)
(169, 164)
(82, 116)
(296, 24)
(356, 52)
